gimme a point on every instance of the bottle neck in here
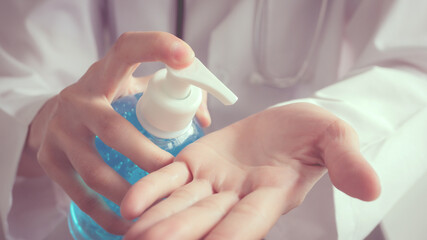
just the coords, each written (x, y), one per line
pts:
(159, 133)
(164, 116)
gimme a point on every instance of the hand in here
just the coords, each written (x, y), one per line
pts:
(236, 182)
(62, 134)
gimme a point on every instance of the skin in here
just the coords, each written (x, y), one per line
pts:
(231, 184)
(61, 136)
(236, 182)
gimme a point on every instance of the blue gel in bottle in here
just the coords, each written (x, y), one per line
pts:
(81, 226)
(166, 110)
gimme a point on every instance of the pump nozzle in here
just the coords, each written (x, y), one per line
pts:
(173, 96)
(178, 83)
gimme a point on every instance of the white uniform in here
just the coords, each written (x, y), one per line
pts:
(364, 60)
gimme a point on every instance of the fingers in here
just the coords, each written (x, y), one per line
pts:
(59, 169)
(114, 77)
(249, 218)
(202, 113)
(155, 186)
(132, 48)
(179, 200)
(348, 169)
(84, 111)
(120, 134)
(191, 223)
(96, 173)
(253, 216)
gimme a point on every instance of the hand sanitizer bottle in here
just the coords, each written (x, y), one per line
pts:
(165, 115)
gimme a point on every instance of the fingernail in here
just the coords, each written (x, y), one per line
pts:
(182, 54)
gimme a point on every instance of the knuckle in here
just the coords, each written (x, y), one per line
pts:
(65, 97)
(55, 133)
(251, 210)
(333, 131)
(183, 194)
(124, 37)
(94, 177)
(121, 42)
(108, 128)
(88, 204)
(53, 126)
(161, 159)
(42, 157)
(68, 102)
(161, 37)
(189, 156)
(45, 154)
(95, 72)
(146, 185)
(338, 130)
(94, 67)
(210, 204)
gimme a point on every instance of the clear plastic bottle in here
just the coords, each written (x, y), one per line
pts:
(165, 115)
(82, 227)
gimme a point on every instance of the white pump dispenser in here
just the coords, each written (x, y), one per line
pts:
(167, 107)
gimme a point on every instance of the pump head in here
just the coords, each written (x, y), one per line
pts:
(171, 100)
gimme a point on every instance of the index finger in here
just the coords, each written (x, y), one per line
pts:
(118, 133)
(132, 48)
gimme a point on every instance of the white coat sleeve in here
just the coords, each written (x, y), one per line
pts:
(44, 46)
(384, 97)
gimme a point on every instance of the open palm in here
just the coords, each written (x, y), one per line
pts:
(236, 182)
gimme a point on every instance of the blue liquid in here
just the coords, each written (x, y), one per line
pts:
(81, 226)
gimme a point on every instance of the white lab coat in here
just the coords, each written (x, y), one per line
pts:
(365, 61)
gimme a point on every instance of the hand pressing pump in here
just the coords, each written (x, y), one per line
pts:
(165, 115)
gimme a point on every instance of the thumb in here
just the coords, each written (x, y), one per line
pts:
(348, 169)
